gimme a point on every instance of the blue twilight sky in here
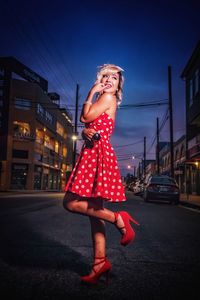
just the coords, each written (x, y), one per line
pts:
(64, 41)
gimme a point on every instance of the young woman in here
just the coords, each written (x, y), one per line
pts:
(96, 177)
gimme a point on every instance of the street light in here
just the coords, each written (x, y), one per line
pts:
(74, 139)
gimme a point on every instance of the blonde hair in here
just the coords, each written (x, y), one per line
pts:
(107, 68)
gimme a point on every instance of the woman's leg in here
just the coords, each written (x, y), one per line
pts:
(99, 242)
(91, 208)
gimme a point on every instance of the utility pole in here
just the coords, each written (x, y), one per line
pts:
(171, 121)
(134, 171)
(158, 149)
(76, 126)
(144, 162)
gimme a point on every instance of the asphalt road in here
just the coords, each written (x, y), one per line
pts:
(45, 249)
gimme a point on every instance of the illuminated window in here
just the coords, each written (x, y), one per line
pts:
(65, 151)
(48, 142)
(59, 129)
(56, 147)
(21, 128)
(39, 136)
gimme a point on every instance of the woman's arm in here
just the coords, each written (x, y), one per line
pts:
(91, 111)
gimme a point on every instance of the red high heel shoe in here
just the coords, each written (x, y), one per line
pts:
(105, 269)
(129, 234)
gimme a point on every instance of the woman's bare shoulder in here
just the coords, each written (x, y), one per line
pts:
(108, 99)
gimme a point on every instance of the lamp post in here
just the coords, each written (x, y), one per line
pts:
(74, 139)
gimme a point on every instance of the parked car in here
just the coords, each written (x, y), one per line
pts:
(161, 187)
(131, 186)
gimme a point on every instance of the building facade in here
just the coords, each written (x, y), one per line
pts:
(191, 75)
(35, 133)
(180, 163)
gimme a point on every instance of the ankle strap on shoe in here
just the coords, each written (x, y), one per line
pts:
(102, 260)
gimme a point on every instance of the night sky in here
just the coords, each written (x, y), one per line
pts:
(65, 41)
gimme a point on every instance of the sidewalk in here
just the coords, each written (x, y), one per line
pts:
(190, 200)
(18, 192)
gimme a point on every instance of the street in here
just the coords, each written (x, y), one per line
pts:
(45, 249)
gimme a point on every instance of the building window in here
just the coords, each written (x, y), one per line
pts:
(1, 73)
(1, 82)
(39, 136)
(21, 103)
(56, 147)
(1, 93)
(44, 114)
(182, 151)
(64, 151)
(1, 103)
(19, 176)
(59, 129)
(37, 177)
(177, 155)
(48, 117)
(21, 127)
(20, 153)
(38, 156)
(48, 142)
(21, 130)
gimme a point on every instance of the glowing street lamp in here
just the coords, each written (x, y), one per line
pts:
(74, 137)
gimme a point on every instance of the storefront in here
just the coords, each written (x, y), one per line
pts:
(193, 165)
(19, 174)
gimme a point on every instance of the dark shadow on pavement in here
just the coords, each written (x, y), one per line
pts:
(22, 246)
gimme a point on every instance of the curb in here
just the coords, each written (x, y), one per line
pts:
(191, 205)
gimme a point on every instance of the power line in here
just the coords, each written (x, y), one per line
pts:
(27, 39)
(121, 146)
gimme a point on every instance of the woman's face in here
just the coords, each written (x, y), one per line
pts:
(111, 80)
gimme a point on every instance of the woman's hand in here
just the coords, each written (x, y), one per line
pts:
(88, 133)
(97, 88)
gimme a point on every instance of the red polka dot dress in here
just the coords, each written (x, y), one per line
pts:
(96, 173)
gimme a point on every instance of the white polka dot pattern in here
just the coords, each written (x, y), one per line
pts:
(95, 173)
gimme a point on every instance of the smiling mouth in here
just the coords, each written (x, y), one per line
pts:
(108, 86)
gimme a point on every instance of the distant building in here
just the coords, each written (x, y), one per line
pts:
(35, 133)
(164, 157)
(191, 75)
(179, 162)
(150, 168)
